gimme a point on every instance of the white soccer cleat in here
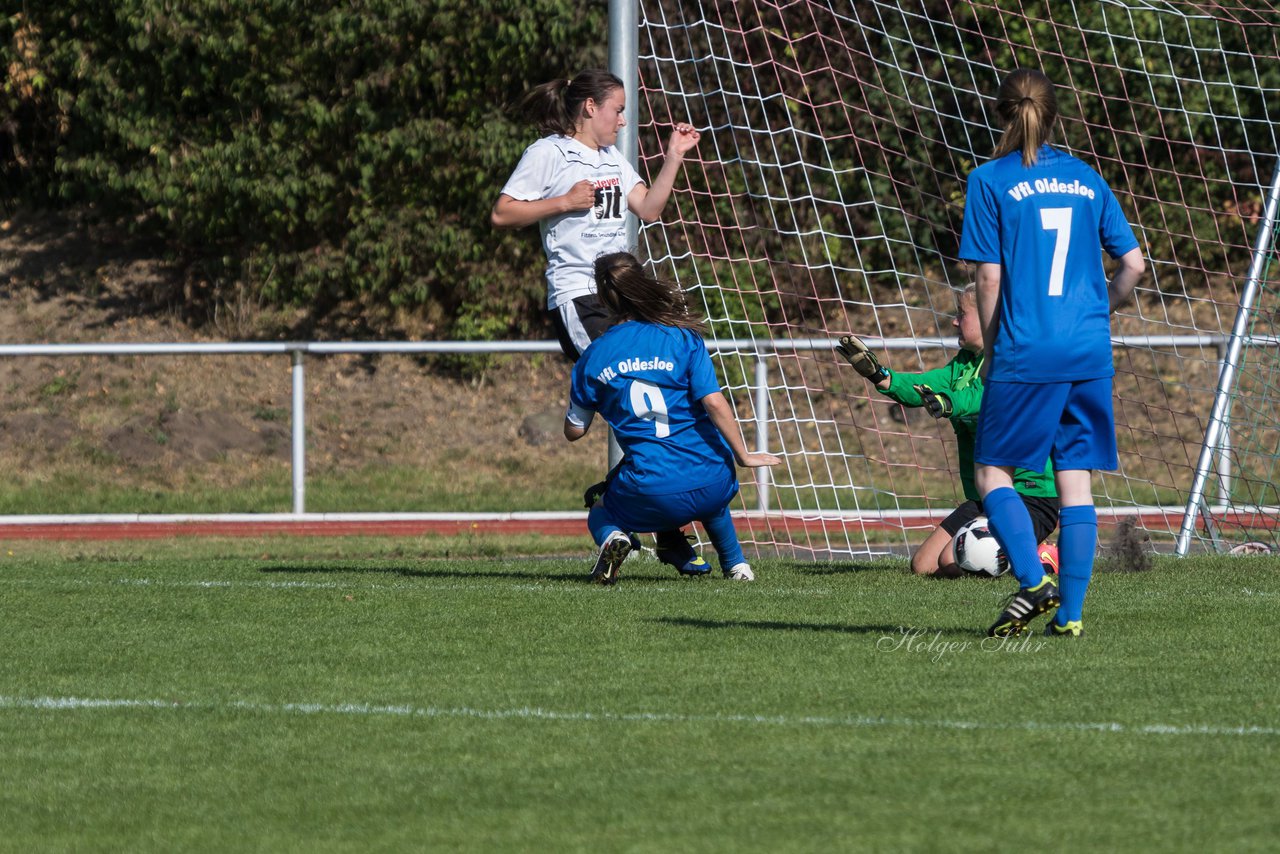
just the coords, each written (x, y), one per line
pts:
(740, 572)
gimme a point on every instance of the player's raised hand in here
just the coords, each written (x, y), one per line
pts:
(863, 360)
(581, 196)
(683, 139)
(935, 403)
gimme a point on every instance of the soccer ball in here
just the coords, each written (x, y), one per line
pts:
(978, 551)
(1048, 553)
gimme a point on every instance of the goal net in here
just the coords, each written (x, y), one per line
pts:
(827, 197)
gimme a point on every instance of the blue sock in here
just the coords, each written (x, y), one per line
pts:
(1077, 542)
(600, 522)
(1011, 523)
(724, 538)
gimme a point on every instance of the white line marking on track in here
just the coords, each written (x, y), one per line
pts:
(527, 713)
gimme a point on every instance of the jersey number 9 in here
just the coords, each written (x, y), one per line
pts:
(649, 405)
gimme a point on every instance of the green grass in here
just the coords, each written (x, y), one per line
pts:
(356, 695)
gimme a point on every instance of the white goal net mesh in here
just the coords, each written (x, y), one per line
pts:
(827, 196)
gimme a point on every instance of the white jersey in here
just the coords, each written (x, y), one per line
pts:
(549, 168)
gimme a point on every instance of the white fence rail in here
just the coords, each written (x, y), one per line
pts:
(299, 350)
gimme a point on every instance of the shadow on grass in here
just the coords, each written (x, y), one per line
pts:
(452, 570)
(806, 567)
(785, 626)
(421, 572)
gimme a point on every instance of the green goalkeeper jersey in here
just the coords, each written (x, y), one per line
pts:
(959, 380)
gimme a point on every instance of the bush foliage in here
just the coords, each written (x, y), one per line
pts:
(311, 152)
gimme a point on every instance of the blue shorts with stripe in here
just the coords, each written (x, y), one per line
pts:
(1072, 423)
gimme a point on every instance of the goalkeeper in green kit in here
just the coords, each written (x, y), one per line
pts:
(954, 392)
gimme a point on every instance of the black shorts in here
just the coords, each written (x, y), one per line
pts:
(1044, 515)
(578, 323)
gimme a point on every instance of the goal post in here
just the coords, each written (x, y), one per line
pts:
(827, 197)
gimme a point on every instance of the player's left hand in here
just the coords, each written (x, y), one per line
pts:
(683, 139)
(935, 403)
(755, 460)
(594, 493)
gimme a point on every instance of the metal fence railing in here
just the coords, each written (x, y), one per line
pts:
(761, 352)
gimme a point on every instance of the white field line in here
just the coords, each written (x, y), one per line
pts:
(57, 704)
(710, 587)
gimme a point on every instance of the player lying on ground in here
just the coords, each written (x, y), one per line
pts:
(954, 392)
(650, 377)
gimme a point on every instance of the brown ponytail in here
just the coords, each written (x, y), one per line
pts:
(631, 293)
(556, 106)
(1028, 109)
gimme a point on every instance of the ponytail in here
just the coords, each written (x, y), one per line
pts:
(1028, 109)
(555, 107)
(631, 293)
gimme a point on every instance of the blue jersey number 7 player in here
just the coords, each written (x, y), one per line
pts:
(1036, 223)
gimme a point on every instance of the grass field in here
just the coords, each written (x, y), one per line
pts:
(360, 695)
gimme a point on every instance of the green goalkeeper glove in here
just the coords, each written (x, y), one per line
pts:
(862, 359)
(935, 403)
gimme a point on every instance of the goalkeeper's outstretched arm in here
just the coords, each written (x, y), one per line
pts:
(863, 360)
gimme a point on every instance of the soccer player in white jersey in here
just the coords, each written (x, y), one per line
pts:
(579, 189)
(1036, 222)
(650, 377)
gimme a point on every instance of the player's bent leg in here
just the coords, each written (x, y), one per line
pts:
(674, 549)
(615, 543)
(724, 538)
(613, 551)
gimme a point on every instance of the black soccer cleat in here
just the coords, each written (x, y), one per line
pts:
(1072, 629)
(674, 549)
(1024, 606)
(614, 551)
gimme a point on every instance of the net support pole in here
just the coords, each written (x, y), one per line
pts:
(624, 61)
(299, 434)
(1216, 429)
(763, 473)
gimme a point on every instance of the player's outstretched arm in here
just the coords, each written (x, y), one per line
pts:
(726, 422)
(517, 213)
(863, 360)
(648, 202)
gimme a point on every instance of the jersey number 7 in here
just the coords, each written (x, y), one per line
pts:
(1058, 220)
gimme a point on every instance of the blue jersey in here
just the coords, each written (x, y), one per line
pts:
(647, 381)
(1046, 227)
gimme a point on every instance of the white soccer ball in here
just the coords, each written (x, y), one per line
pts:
(978, 551)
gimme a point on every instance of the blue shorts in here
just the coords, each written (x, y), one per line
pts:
(1022, 424)
(645, 514)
